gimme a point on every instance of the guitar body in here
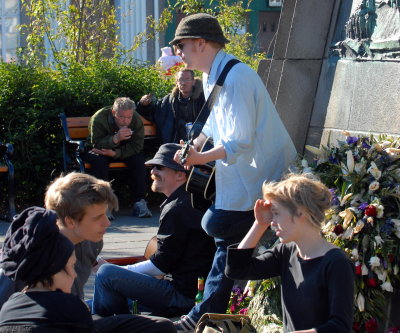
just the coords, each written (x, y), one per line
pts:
(201, 182)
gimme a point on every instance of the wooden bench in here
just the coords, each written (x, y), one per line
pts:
(76, 132)
(7, 172)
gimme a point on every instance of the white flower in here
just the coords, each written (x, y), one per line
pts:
(378, 240)
(354, 253)
(361, 167)
(304, 163)
(355, 201)
(345, 198)
(397, 227)
(374, 171)
(360, 302)
(344, 169)
(373, 186)
(364, 269)
(350, 161)
(395, 269)
(393, 153)
(348, 234)
(380, 210)
(382, 275)
(374, 262)
(387, 286)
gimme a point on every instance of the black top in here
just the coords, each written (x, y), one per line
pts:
(184, 251)
(316, 293)
(47, 312)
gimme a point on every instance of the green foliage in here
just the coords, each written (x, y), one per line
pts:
(85, 31)
(233, 18)
(31, 98)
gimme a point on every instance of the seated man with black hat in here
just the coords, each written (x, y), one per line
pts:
(184, 252)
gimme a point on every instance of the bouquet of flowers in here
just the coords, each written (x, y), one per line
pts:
(363, 174)
(240, 299)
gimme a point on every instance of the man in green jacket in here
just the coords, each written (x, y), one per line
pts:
(117, 133)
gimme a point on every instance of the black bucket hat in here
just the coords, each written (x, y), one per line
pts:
(199, 26)
(165, 157)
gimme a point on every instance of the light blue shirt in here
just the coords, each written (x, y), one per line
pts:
(245, 121)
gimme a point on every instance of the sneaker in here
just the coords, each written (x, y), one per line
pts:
(140, 209)
(185, 324)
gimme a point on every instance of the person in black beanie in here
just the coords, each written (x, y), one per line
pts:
(36, 252)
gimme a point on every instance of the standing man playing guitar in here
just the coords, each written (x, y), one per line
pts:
(251, 145)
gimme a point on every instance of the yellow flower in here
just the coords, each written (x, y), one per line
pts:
(374, 171)
(358, 227)
(374, 186)
(347, 216)
(345, 198)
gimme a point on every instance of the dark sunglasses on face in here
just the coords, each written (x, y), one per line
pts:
(179, 46)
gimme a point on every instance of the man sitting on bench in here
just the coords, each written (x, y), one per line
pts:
(117, 133)
(184, 253)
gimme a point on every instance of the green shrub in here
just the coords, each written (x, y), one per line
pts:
(31, 98)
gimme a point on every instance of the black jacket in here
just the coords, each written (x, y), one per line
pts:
(165, 113)
(184, 251)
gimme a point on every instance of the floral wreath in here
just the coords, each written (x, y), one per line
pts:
(363, 174)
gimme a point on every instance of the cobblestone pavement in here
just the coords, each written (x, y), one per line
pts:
(127, 236)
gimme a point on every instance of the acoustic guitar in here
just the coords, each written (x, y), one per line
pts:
(201, 181)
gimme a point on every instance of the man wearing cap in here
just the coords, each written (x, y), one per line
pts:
(251, 145)
(184, 253)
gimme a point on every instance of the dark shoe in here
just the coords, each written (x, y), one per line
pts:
(185, 324)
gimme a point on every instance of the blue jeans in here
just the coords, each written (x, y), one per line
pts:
(227, 227)
(115, 286)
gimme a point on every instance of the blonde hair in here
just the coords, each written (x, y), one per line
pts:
(300, 191)
(69, 195)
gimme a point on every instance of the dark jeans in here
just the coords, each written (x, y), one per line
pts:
(227, 227)
(132, 324)
(136, 169)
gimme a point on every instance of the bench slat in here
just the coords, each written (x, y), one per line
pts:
(3, 169)
(112, 165)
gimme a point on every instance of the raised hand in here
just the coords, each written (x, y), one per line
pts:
(262, 212)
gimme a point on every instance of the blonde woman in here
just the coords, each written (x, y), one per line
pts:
(317, 278)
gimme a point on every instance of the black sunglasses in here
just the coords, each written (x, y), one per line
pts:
(179, 46)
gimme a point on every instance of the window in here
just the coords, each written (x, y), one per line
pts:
(9, 20)
(275, 3)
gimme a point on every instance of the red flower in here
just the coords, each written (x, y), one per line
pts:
(338, 229)
(393, 330)
(358, 268)
(356, 326)
(372, 282)
(391, 257)
(371, 325)
(371, 211)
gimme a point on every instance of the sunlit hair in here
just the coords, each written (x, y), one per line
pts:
(123, 104)
(69, 195)
(300, 191)
(184, 70)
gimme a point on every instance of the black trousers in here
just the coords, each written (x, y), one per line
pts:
(137, 171)
(127, 323)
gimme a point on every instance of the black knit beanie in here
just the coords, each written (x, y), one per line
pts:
(34, 249)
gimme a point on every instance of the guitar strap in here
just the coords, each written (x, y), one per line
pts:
(206, 109)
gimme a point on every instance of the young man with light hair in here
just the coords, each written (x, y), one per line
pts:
(251, 145)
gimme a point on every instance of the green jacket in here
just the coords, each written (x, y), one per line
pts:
(102, 128)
